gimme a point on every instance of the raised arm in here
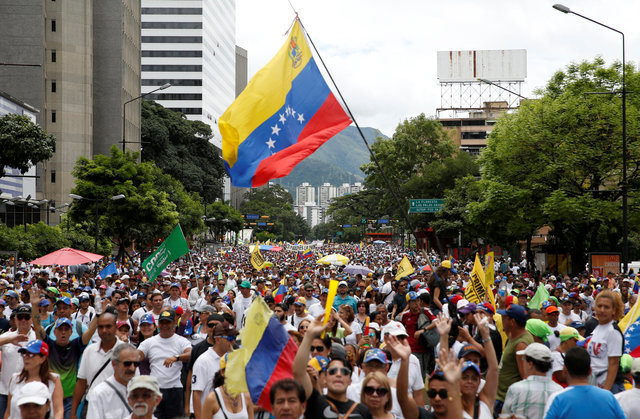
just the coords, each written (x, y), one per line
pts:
(86, 336)
(491, 386)
(443, 324)
(302, 356)
(401, 350)
(34, 295)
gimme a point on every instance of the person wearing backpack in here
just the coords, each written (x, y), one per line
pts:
(418, 321)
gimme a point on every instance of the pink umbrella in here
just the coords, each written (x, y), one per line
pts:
(67, 256)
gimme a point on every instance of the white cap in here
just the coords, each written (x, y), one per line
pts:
(461, 303)
(144, 381)
(635, 366)
(376, 326)
(394, 329)
(537, 351)
(341, 283)
(34, 392)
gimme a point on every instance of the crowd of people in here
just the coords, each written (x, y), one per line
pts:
(76, 345)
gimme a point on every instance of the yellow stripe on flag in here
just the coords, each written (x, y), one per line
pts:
(333, 290)
(476, 291)
(404, 268)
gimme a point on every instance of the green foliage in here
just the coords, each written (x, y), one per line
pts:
(188, 204)
(558, 161)
(222, 218)
(38, 240)
(277, 203)
(23, 143)
(181, 148)
(144, 215)
(263, 236)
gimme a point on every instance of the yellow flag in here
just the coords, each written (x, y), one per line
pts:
(629, 318)
(404, 268)
(476, 290)
(490, 277)
(257, 260)
(333, 290)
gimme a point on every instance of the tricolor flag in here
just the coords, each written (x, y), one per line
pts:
(283, 115)
(266, 355)
(307, 254)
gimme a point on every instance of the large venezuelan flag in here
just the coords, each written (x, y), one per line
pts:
(283, 115)
(266, 355)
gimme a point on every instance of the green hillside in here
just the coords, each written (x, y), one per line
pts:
(338, 161)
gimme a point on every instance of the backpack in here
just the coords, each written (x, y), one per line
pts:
(430, 338)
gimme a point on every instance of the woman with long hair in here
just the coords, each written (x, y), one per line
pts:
(363, 313)
(36, 368)
(147, 329)
(606, 345)
(346, 313)
(438, 287)
(219, 404)
(376, 395)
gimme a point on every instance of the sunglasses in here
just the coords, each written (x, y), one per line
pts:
(343, 371)
(229, 338)
(130, 363)
(380, 391)
(23, 317)
(221, 283)
(317, 348)
(432, 393)
(28, 354)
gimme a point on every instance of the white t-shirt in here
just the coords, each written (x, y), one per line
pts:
(295, 320)
(240, 307)
(11, 359)
(356, 329)
(415, 375)
(567, 320)
(316, 309)
(554, 341)
(630, 402)
(204, 370)
(387, 290)
(605, 342)
(104, 403)
(93, 358)
(15, 388)
(157, 349)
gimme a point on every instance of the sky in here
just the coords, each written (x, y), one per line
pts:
(382, 54)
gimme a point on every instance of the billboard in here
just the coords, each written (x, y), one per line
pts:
(495, 65)
(603, 263)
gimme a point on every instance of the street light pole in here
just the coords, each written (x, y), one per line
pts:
(625, 190)
(97, 219)
(124, 108)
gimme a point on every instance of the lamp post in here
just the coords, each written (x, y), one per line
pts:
(625, 191)
(96, 200)
(124, 107)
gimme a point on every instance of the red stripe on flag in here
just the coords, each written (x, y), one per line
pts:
(282, 370)
(329, 120)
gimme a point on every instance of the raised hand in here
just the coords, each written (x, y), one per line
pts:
(443, 324)
(399, 349)
(452, 370)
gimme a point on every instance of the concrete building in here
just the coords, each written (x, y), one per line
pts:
(242, 65)
(470, 132)
(326, 193)
(305, 194)
(82, 64)
(190, 44)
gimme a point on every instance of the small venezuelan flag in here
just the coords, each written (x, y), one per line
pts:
(283, 115)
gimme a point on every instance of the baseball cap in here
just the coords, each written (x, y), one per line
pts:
(411, 295)
(53, 290)
(83, 298)
(63, 321)
(167, 315)
(552, 309)
(22, 309)
(577, 325)
(568, 333)
(35, 392)
(36, 347)
(395, 329)
(375, 354)
(147, 318)
(468, 364)
(341, 283)
(43, 303)
(65, 300)
(468, 349)
(516, 312)
(123, 323)
(461, 303)
(144, 381)
(245, 284)
(469, 308)
(537, 351)
(75, 301)
(447, 264)
(175, 285)
(123, 300)
(635, 366)
(12, 294)
(300, 301)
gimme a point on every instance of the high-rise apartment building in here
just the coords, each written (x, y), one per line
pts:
(82, 62)
(190, 44)
(305, 194)
(326, 193)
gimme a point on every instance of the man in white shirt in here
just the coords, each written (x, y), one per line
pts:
(197, 292)
(85, 313)
(10, 342)
(144, 396)
(107, 400)
(208, 364)
(299, 313)
(166, 352)
(320, 307)
(174, 300)
(242, 303)
(96, 364)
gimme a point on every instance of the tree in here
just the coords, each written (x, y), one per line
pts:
(38, 239)
(182, 149)
(221, 218)
(146, 213)
(23, 143)
(188, 204)
(557, 162)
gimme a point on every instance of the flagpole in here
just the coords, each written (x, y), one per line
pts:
(373, 156)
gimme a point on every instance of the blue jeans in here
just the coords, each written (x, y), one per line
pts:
(3, 404)
(66, 402)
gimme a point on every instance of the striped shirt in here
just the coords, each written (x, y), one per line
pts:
(528, 397)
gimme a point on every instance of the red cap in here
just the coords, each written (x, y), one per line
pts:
(456, 298)
(509, 300)
(490, 307)
(179, 311)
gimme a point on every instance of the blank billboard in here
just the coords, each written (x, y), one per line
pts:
(495, 65)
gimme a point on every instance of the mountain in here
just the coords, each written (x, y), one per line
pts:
(337, 161)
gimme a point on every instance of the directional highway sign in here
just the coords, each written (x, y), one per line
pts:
(418, 206)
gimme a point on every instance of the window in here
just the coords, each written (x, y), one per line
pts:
(174, 96)
(53, 86)
(174, 82)
(171, 11)
(53, 116)
(53, 55)
(172, 39)
(171, 25)
(171, 68)
(53, 176)
(53, 25)
(172, 53)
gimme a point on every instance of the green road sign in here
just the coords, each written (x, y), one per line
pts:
(419, 206)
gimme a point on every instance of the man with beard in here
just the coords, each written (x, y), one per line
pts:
(280, 311)
(144, 396)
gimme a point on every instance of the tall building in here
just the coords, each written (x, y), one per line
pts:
(82, 62)
(470, 132)
(326, 193)
(190, 44)
(305, 194)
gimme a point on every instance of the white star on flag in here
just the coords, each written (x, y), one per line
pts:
(301, 118)
(275, 129)
(282, 119)
(293, 113)
(271, 143)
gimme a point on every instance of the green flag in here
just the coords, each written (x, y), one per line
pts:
(541, 295)
(171, 249)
